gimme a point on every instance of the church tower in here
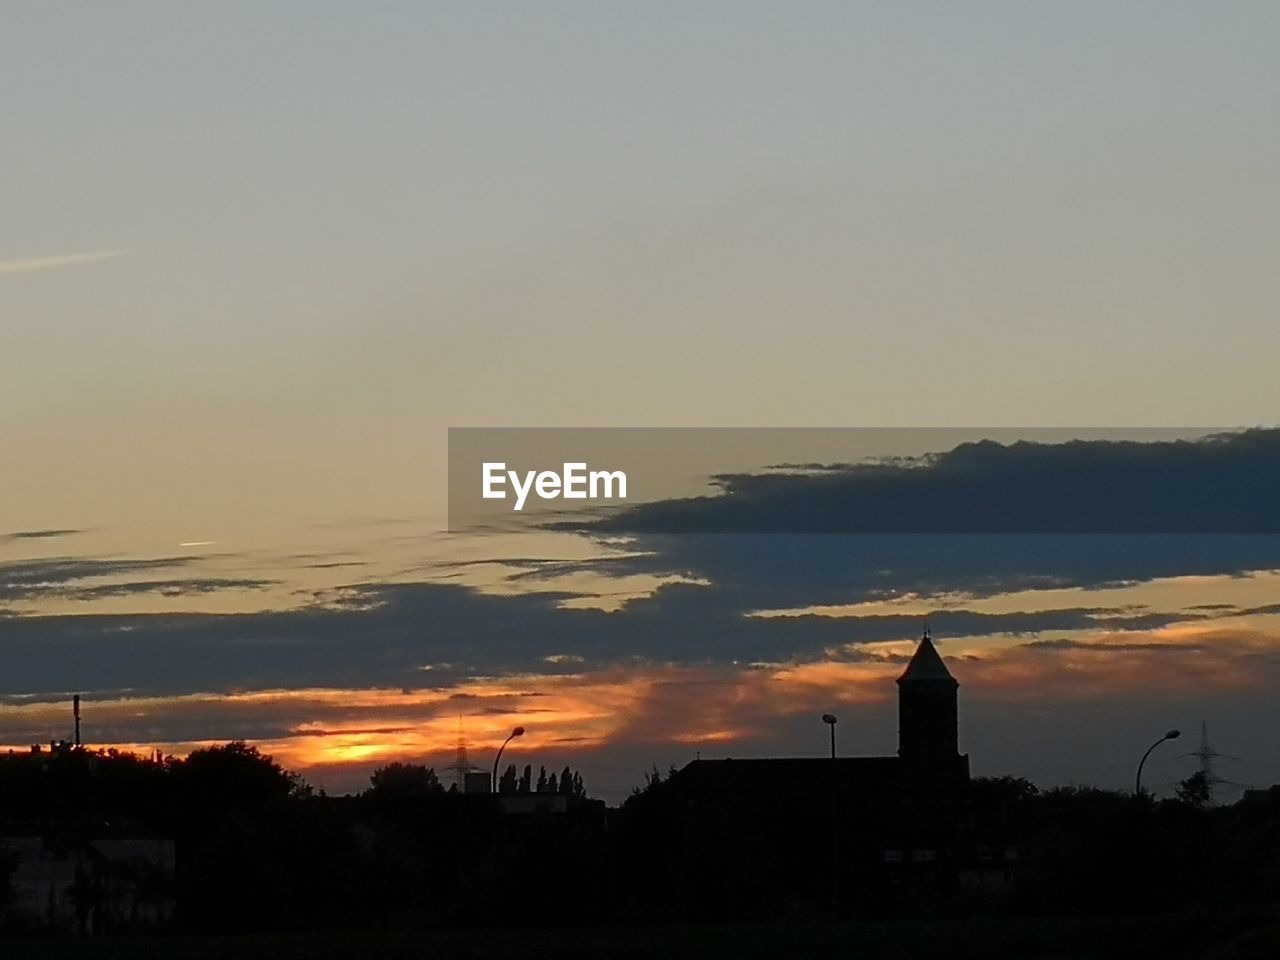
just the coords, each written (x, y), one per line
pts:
(927, 727)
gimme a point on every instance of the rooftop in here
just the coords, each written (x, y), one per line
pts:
(926, 664)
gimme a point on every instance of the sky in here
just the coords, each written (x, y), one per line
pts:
(256, 259)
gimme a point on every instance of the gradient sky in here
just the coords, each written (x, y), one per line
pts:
(256, 258)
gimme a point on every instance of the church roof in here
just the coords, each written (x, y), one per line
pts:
(926, 664)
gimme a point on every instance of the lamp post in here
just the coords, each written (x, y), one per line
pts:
(830, 720)
(1137, 780)
(517, 732)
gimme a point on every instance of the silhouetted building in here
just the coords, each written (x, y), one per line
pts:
(92, 875)
(823, 824)
(932, 774)
(928, 728)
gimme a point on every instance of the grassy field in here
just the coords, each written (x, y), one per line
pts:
(1226, 938)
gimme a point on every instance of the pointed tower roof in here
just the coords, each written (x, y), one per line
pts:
(926, 664)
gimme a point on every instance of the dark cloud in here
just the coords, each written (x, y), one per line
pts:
(1269, 608)
(779, 571)
(166, 588)
(27, 578)
(1064, 643)
(345, 731)
(391, 633)
(51, 534)
(1219, 484)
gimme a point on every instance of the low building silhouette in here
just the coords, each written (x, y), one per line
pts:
(92, 875)
(826, 827)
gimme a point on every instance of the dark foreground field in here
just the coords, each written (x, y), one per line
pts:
(1239, 935)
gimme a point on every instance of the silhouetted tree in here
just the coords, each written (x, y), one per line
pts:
(405, 780)
(508, 781)
(542, 780)
(243, 841)
(213, 781)
(1006, 790)
(525, 778)
(1196, 790)
(652, 783)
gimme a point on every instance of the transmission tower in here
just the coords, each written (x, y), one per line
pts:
(1204, 756)
(461, 765)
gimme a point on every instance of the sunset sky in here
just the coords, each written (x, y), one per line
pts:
(256, 259)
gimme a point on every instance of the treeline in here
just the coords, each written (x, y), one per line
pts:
(1016, 850)
(569, 783)
(257, 848)
(415, 779)
(1083, 850)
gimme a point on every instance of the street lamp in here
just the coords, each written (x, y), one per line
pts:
(517, 732)
(830, 720)
(1137, 781)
